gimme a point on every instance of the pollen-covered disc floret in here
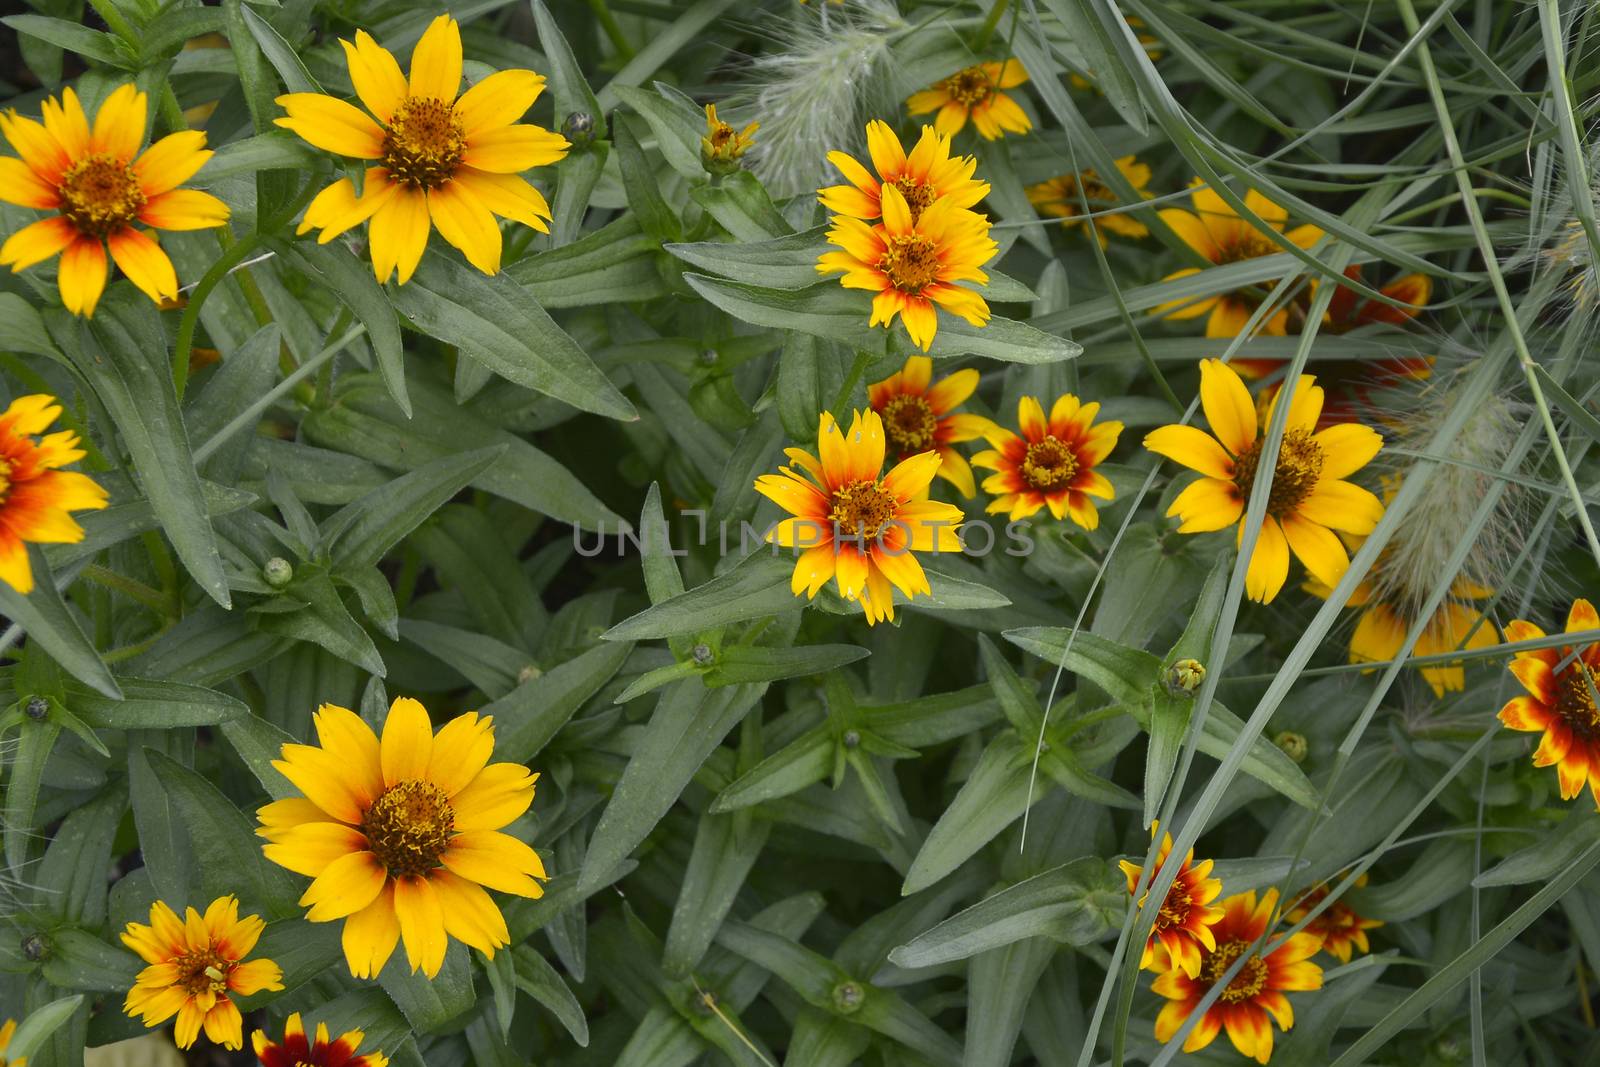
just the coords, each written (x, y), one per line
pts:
(101, 188)
(1182, 926)
(193, 965)
(1559, 702)
(441, 158)
(1309, 498)
(919, 414)
(1051, 462)
(402, 834)
(856, 524)
(296, 1050)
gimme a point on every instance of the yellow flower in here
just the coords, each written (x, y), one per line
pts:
(1309, 499)
(35, 497)
(918, 416)
(1052, 463)
(296, 1051)
(402, 835)
(912, 264)
(99, 185)
(1183, 925)
(928, 174)
(7, 1032)
(857, 525)
(194, 963)
(1062, 197)
(454, 161)
(1218, 235)
(974, 93)
(1559, 702)
(721, 147)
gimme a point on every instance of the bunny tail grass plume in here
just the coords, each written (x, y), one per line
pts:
(813, 95)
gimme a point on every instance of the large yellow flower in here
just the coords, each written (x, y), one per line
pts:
(975, 93)
(1052, 463)
(1062, 197)
(927, 174)
(297, 1051)
(401, 835)
(856, 524)
(1309, 498)
(919, 414)
(1218, 235)
(194, 963)
(1559, 702)
(100, 185)
(912, 264)
(35, 497)
(454, 161)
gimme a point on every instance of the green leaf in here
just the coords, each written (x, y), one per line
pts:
(529, 716)
(994, 796)
(677, 130)
(725, 848)
(616, 264)
(45, 618)
(325, 621)
(353, 283)
(535, 977)
(282, 55)
(1091, 33)
(278, 150)
(1000, 983)
(639, 181)
(75, 37)
(740, 204)
(431, 1003)
(1125, 673)
(153, 705)
(804, 761)
(750, 663)
(39, 1025)
(567, 84)
(359, 534)
(756, 587)
(1546, 857)
(34, 745)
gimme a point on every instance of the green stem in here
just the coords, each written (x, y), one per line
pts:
(857, 369)
(153, 599)
(613, 29)
(986, 31)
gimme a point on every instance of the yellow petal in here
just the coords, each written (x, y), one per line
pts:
(1192, 447)
(144, 264)
(496, 861)
(498, 100)
(82, 277)
(462, 220)
(513, 149)
(398, 233)
(20, 185)
(470, 916)
(67, 123)
(1269, 563)
(36, 242)
(495, 797)
(184, 209)
(506, 195)
(1228, 407)
(371, 934)
(375, 75)
(436, 64)
(421, 917)
(331, 125)
(460, 752)
(407, 745)
(171, 161)
(347, 885)
(119, 125)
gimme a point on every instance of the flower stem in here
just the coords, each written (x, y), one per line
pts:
(986, 31)
(857, 369)
(613, 29)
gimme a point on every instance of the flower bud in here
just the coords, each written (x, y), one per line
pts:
(1294, 745)
(277, 572)
(578, 127)
(1185, 676)
(722, 146)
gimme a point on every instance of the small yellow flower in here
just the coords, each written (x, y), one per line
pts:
(36, 498)
(1183, 925)
(1559, 702)
(194, 963)
(1062, 197)
(927, 174)
(856, 524)
(722, 146)
(1052, 463)
(297, 1051)
(918, 415)
(912, 264)
(452, 160)
(975, 93)
(7, 1032)
(401, 835)
(1309, 499)
(1218, 235)
(99, 185)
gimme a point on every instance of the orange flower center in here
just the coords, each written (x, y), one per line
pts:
(1049, 464)
(1251, 245)
(969, 86)
(919, 194)
(911, 261)
(100, 195)
(1298, 470)
(1575, 701)
(425, 142)
(909, 422)
(409, 826)
(862, 509)
(201, 971)
(1251, 979)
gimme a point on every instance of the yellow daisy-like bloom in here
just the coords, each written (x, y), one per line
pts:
(1062, 197)
(1559, 702)
(1339, 925)
(402, 834)
(36, 498)
(7, 1032)
(722, 146)
(1183, 925)
(918, 415)
(1309, 499)
(194, 963)
(100, 185)
(1052, 463)
(856, 524)
(912, 264)
(297, 1051)
(452, 161)
(1218, 235)
(975, 93)
(927, 174)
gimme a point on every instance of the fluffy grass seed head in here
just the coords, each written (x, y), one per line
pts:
(441, 159)
(101, 188)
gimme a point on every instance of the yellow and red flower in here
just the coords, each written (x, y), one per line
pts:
(101, 186)
(912, 264)
(975, 94)
(1340, 927)
(1254, 998)
(857, 525)
(36, 498)
(722, 146)
(297, 1051)
(927, 174)
(194, 963)
(1309, 498)
(918, 416)
(1183, 925)
(1062, 197)
(1052, 463)
(402, 834)
(1217, 234)
(1559, 702)
(452, 160)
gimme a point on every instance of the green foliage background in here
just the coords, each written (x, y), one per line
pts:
(775, 834)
